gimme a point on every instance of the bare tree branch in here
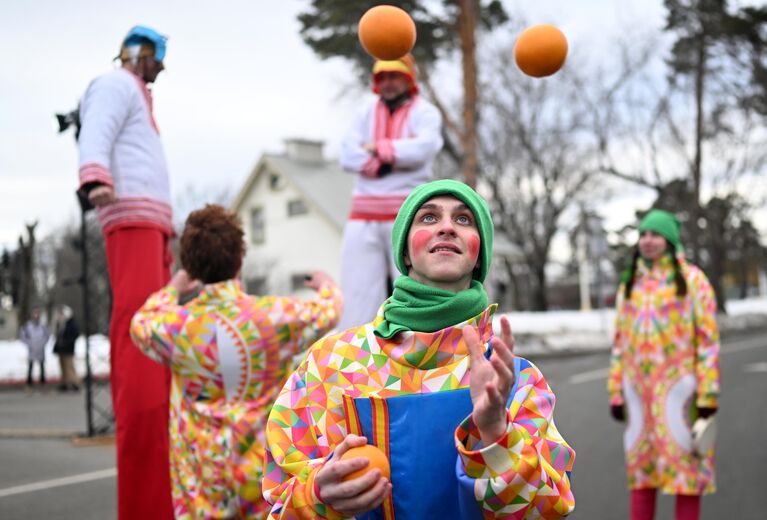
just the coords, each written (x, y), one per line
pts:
(447, 118)
(636, 179)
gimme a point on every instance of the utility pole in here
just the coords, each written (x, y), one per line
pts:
(584, 271)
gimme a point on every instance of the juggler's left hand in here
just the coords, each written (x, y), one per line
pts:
(491, 381)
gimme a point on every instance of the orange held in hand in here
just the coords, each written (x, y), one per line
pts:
(376, 457)
(540, 50)
(386, 32)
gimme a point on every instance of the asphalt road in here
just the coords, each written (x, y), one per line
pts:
(48, 477)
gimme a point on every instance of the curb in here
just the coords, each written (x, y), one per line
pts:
(6, 433)
(50, 384)
(82, 441)
(77, 437)
(544, 346)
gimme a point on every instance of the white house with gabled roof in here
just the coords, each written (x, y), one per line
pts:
(293, 207)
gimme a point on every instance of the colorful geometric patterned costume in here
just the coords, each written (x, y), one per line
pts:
(524, 475)
(665, 362)
(229, 354)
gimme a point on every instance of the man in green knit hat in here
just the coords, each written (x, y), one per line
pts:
(466, 426)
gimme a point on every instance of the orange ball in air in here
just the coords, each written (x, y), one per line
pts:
(386, 32)
(540, 50)
(376, 457)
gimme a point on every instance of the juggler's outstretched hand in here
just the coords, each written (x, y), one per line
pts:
(491, 381)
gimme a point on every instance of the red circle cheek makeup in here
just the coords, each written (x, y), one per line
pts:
(420, 240)
(474, 247)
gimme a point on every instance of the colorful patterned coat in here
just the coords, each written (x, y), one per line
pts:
(229, 355)
(523, 475)
(665, 362)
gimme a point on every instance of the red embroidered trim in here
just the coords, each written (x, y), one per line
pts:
(95, 172)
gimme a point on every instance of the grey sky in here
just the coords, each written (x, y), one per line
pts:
(239, 81)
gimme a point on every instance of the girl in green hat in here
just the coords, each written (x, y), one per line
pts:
(664, 370)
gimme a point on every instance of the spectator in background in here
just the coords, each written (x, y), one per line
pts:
(35, 336)
(229, 354)
(664, 370)
(67, 332)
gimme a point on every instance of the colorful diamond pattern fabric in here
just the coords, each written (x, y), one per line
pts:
(229, 355)
(664, 363)
(524, 475)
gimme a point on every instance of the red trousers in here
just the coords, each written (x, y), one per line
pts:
(643, 505)
(139, 264)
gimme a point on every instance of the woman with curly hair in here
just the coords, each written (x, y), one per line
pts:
(664, 370)
(229, 354)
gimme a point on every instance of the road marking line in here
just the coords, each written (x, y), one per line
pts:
(591, 375)
(743, 345)
(58, 482)
(602, 373)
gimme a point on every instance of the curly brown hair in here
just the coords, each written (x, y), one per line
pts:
(212, 244)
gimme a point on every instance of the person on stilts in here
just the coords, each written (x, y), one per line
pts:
(124, 175)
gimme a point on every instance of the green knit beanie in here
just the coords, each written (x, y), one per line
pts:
(460, 191)
(665, 224)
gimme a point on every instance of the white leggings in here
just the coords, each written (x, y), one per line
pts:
(366, 263)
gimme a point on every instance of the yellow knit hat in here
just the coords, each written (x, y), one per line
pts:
(405, 65)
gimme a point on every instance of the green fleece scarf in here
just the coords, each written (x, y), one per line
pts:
(422, 308)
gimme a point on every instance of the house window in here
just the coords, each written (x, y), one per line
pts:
(256, 285)
(297, 281)
(297, 207)
(257, 226)
(275, 182)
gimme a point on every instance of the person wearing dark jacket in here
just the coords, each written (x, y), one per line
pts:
(67, 332)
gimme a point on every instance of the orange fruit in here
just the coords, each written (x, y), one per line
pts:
(376, 459)
(386, 32)
(540, 50)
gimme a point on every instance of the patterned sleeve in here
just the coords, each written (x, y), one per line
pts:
(156, 323)
(312, 319)
(526, 473)
(706, 339)
(297, 447)
(615, 376)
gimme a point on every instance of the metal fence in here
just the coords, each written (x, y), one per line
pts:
(96, 308)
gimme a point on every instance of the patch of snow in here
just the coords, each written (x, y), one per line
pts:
(747, 306)
(554, 332)
(13, 359)
(536, 333)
